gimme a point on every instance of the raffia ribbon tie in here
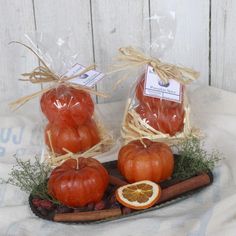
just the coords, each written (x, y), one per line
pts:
(43, 74)
(131, 57)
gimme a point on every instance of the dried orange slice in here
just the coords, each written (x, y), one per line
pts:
(139, 195)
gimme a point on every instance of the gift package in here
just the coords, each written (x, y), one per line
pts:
(71, 119)
(157, 107)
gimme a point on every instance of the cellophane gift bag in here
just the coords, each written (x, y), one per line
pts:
(73, 124)
(157, 107)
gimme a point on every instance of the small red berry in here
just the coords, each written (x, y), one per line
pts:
(99, 206)
(46, 204)
(36, 202)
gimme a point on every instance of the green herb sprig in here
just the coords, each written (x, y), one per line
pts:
(31, 177)
(193, 159)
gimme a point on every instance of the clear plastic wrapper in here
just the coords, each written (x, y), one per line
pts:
(73, 123)
(157, 115)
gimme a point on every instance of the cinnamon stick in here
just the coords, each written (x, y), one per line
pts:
(184, 186)
(87, 216)
(116, 181)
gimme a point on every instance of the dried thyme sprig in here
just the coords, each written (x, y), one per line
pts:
(31, 177)
(193, 159)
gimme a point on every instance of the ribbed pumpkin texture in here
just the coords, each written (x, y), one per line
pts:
(162, 115)
(67, 104)
(73, 138)
(78, 184)
(145, 160)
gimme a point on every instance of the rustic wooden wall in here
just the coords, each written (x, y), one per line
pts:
(205, 36)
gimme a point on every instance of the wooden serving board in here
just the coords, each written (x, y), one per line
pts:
(173, 191)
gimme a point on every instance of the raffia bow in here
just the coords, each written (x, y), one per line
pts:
(131, 57)
(43, 74)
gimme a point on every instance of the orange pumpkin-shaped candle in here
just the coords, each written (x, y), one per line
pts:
(76, 183)
(162, 115)
(145, 160)
(168, 120)
(72, 138)
(88, 135)
(67, 104)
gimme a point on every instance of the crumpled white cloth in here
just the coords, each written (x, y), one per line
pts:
(209, 212)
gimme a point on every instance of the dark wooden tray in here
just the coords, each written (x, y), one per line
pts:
(112, 169)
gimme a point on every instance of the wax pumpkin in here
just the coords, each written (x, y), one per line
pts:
(163, 115)
(88, 135)
(67, 104)
(76, 184)
(168, 120)
(72, 138)
(145, 160)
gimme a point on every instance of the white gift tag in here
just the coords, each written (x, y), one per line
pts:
(154, 87)
(88, 79)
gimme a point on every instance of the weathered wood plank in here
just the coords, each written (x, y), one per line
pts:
(16, 18)
(191, 44)
(223, 49)
(118, 24)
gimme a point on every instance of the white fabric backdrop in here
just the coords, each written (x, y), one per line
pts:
(210, 212)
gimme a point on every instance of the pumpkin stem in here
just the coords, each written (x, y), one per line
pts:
(141, 141)
(77, 163)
